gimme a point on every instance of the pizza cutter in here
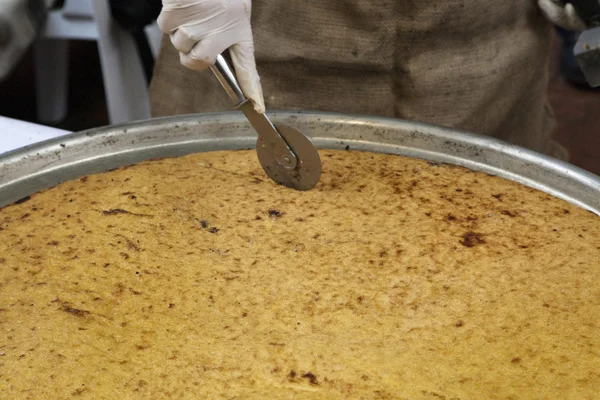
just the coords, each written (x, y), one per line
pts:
(286, 155)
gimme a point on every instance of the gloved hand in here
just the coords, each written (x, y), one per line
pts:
(564, 16)
(202, 29)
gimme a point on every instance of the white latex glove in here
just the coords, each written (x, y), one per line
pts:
(18, 29)
(202, 29)
(566, 17)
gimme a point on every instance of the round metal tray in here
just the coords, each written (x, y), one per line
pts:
(33, 168)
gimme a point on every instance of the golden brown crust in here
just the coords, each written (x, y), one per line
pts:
(395, 278)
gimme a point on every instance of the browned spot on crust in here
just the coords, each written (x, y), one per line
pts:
(75, 311)
(472, 239)
(116, 211)
(311, 377)
(274, 214)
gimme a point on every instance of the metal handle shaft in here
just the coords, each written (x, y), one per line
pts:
(227, 79)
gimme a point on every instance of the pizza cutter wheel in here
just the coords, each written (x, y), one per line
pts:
(287, 156)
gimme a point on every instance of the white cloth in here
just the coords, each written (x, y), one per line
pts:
(202, 29)
(15, 133)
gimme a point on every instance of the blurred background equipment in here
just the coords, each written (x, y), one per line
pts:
(587, 48)
(137, 17)
(125, 82)
(569, 66)
(127, 44)
(20, 21)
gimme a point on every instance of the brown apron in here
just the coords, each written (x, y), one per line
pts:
(479, 66)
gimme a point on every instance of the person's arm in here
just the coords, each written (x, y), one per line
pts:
(202, 29)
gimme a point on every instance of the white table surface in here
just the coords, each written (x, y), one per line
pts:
(15, 133)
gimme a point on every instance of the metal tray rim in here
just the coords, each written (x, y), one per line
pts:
(32, 168)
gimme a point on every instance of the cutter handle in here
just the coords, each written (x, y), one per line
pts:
(260, 122)
(227, 79)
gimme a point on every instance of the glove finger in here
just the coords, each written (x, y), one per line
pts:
(558, 14)
(242, 55)
(182, 41)
(202, 55)
(551, 10)
(166, 22)
(207, 14)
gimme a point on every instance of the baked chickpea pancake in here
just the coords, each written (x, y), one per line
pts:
(395, 278)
